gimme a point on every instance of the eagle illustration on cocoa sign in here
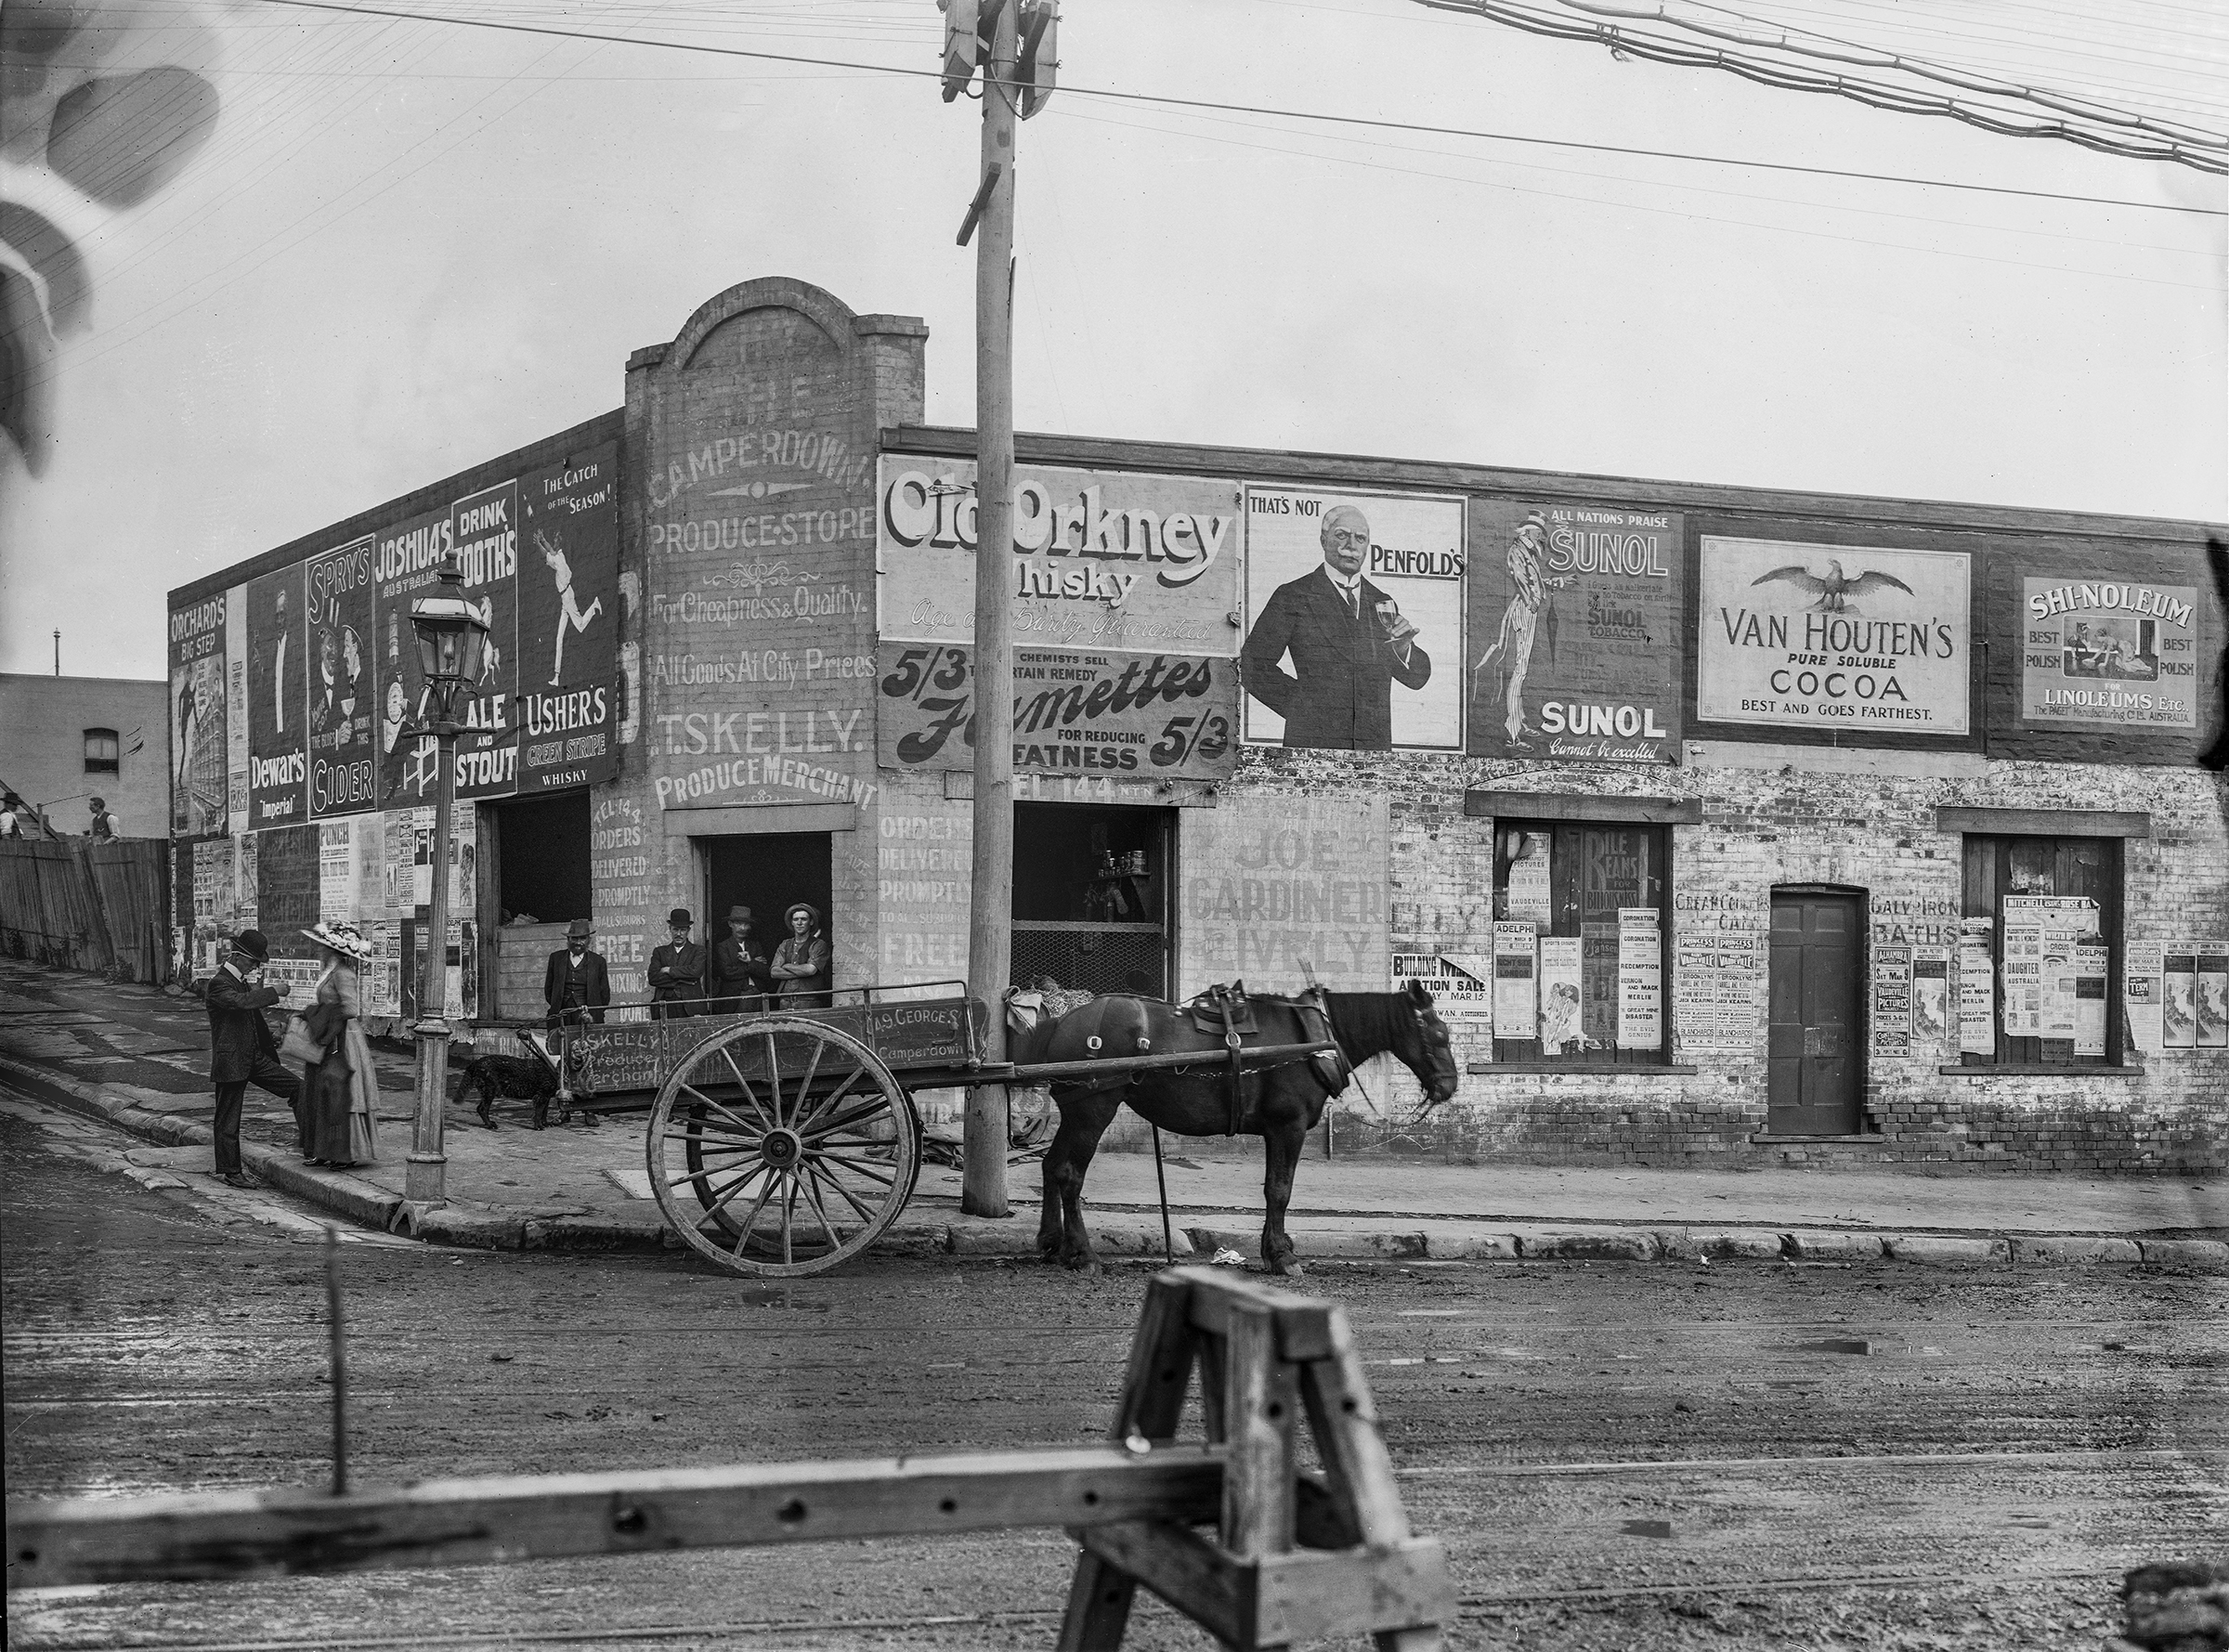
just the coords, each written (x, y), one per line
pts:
(1836, 592)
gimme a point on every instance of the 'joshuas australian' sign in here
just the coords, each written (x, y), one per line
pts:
(1834, 637)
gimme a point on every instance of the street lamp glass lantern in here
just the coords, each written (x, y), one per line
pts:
(451, 636)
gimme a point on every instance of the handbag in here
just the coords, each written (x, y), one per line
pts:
(298, 1045)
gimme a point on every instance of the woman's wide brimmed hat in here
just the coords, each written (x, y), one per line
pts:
(342, 937)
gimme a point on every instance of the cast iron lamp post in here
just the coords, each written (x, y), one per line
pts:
(451, 637)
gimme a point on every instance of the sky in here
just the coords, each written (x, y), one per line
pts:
(411, 247)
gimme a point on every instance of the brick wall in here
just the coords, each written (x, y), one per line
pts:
(1784, 815)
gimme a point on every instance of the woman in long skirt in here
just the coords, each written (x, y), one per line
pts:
(338, 1092)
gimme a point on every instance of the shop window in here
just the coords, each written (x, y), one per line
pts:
(1091, 902)
(2043, 926)
(103, 755)
(1597, 896)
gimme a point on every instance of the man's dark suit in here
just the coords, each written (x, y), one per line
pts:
(241, 1051)
(584, 988)
(677, 979)
(1340, 692)
(739, 977)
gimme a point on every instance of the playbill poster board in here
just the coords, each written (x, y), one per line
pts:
(2109, 653)
(199, 748)
(1850, 637)
(1516, 977)
(1976, 988)
(1561, 1029)
(1892, 1001)
(2140, 995)
(1640, 979)
(1574, 617)
(1368, 660)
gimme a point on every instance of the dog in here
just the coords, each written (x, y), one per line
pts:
(515, 1078)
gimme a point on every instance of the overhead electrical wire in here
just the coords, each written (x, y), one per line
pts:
(1873, 93)
(1298, 114)
(1833, 48)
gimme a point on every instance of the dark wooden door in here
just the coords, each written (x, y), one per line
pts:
(1818, 1013)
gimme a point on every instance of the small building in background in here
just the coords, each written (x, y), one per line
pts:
(66, 740)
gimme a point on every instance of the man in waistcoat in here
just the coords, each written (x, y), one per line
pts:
(677, 971)
(576, 986)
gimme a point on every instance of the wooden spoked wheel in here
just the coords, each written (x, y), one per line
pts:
(780, 1146)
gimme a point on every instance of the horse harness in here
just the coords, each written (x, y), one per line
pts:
(1227, 1011)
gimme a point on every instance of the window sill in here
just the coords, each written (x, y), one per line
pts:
(1761, 1140)
(1613, 1069)
(2042, 1070)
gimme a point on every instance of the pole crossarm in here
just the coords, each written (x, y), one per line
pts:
(207, 1536)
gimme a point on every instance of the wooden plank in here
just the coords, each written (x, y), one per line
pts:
(1262, 1399)
(1207, 1353)
(1184, 1570)
(2045, 823)
(1303, 1323)
(235, 1534)
(1343, 1418)
(1482, 804)
(1309, 1595)
(1099, 1606)
(1152, 1389)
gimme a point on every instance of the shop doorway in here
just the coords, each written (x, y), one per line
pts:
(766, 872)
(1818, 1030)
(534, 878)
(1092, 910)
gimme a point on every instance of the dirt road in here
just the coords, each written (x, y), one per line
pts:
(1617, 1455)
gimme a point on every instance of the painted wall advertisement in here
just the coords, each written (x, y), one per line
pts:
(1267, 881)
(1574, 621)
(568, 622)
(2109, 652)
(278, 702)
(1842, 637)
(1116, 561)
(1133, 716)
(199, 750)
(1354, 620)
(290, 694)
(337, 637)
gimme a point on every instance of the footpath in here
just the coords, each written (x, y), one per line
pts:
(138, 1058)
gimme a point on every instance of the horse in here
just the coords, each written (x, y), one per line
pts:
(1280, 1104)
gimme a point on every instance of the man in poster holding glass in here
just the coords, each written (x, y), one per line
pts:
(1349, 643)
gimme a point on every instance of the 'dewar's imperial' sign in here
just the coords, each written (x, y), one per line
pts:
(1834, 637)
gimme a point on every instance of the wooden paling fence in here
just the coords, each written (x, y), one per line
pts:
(82, 905)
(1294, 1555)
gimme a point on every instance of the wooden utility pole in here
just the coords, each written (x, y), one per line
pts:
(991, 894)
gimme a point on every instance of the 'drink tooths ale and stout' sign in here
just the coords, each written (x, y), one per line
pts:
(1851, 637)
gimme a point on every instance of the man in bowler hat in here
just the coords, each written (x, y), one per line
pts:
(1349, 643)
(740, 973)
(242, 1051)
(576, 986)
(677, 971)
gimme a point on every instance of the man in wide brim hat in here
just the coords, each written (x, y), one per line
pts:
(242, 1050)
(576, 986)
(739, 976)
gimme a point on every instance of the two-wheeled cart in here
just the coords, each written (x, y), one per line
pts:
(785, 1141)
